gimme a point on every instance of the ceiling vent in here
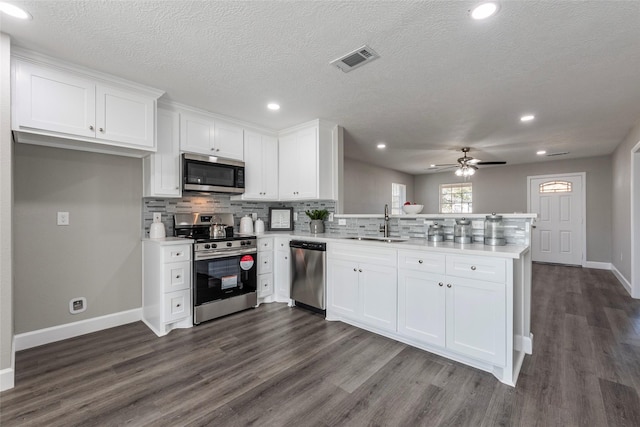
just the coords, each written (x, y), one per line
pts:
(355, 59)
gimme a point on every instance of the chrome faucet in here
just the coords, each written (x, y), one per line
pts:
(384, 228)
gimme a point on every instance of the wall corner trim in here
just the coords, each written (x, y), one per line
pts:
(6, 379)
(623, 280)
(70, 330)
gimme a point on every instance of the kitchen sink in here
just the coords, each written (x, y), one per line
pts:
(378, 239)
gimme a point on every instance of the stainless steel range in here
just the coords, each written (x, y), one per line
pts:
(224, 268)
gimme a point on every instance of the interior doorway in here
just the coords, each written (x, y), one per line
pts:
(558, 235)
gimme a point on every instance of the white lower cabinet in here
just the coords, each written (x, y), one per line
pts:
(464, 315)
(265, 269)
(282, 270)
(362, 288)
(166, 290)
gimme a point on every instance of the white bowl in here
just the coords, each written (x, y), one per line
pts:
(412, 209)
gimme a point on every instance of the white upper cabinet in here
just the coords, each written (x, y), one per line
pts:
(76, 108)
(308, 159)
(161, 170)
(206, 135)
(261, 167)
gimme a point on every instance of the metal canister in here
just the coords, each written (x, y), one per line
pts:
(436, 233)
(462, 231)
(494, 230)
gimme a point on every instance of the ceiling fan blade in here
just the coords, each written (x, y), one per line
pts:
(445, 164)
(491, 163)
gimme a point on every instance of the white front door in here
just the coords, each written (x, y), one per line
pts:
(557, 236)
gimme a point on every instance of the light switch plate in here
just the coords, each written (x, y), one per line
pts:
(63, 218)
(295, 216)
(330, 216)
(342, 221)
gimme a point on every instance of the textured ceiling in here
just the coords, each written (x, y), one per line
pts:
(443, 80)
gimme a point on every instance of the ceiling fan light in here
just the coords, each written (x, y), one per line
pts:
(471, 171)
(459, 172)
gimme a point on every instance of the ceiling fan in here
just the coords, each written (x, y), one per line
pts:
(466, 165)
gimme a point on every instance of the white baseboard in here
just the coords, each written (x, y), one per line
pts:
(598, 265)
(7, 376)
(6, 379)
(527, 344)
(622, 279)
(70, 330)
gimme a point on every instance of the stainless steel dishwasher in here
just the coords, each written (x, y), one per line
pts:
(308, 266)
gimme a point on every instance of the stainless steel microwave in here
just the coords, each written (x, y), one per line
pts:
(211, 174)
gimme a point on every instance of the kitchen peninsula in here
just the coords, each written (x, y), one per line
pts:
(467, 302)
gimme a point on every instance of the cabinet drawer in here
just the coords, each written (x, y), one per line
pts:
(177, 276)
(265, 244)
(177, 305)
(265, 285)
(282, 244)
(421, 261)
(363, 253)
(265, 263)
(478, 268)
(177, 253)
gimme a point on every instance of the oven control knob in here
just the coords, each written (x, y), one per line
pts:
(242, 243)
(248, 243)
(214, 246)
(207, 246)
(229, 244)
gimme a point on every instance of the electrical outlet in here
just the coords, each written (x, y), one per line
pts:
(77, 305)
(157, 217)
(342, 221)
(330, 216)
(63, 218)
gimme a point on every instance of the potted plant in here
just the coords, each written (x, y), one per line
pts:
(317, 220)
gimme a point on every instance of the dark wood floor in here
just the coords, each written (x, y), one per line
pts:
(277, 366)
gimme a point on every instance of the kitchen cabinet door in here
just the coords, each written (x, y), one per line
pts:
(161, 169)
(421, 306)
(476, 319)
(344, 294)
(196, 134)
(228, 140)
(51, 100)
(261, 167)
(283, 275)
(378, 290)
(125, 117)
(298, 165)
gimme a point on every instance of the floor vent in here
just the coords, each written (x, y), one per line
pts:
(355, 59)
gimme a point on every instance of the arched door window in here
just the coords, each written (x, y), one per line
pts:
(555, 187)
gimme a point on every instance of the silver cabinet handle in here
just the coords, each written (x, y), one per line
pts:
(420, 261)
(101, 130)
(473, 267)
(441, 284)
(448, 285)
(178, 276)
(90, 127)
(178, 305)
(213, 149)
(355, 269)
(360, 270)
(178, 253)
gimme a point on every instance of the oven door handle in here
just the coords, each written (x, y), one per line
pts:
(199, 256)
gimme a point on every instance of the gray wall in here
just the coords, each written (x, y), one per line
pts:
(6, 159)
(367, 188)
(504, 189)
(98, 256)
(621, 253)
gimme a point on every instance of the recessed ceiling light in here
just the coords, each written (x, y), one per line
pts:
(484, 10)
(14, 11)
(273, 106)
(527, 118)
(541, 152)
(382, 145)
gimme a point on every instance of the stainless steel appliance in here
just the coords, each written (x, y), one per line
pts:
(212, 174)
(224, 269)
(308, 266)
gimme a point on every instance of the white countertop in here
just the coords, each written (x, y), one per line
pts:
(439, 216)
(507, 251)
